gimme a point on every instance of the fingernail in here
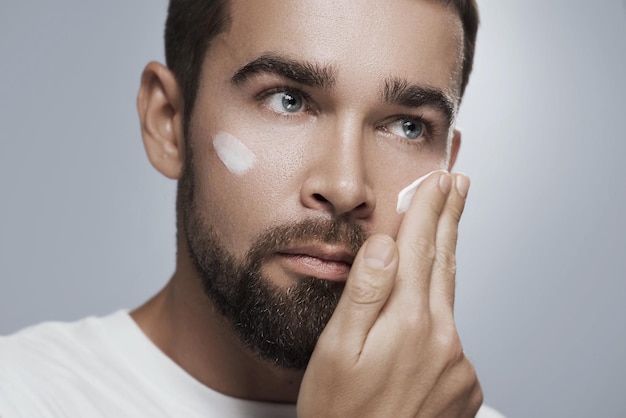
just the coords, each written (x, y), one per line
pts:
(445, 183)
(462, 184)
(379, 252)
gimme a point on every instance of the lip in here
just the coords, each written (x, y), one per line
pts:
(322, 261)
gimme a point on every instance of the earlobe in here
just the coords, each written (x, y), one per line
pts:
(454, 148)
(160, 107)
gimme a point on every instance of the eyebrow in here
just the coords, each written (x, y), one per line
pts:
(400, 92)
(303, 72)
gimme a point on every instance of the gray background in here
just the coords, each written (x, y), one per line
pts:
(87, 226)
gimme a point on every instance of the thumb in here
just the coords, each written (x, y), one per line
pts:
(367, 289)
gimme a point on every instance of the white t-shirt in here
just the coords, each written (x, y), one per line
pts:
(107, 367)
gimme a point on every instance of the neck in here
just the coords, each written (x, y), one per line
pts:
(183, 323)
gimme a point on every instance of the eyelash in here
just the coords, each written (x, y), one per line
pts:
(307, 107)
(430, 128)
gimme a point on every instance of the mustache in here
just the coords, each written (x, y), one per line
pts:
(342, 231)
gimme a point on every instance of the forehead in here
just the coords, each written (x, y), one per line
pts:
(368, 40)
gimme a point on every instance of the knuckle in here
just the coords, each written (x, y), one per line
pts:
(456, 212)
(416, 321)
(467, 369)
(449, 345)
(424, 247)
(435, 207)
(446, 261)
(367, 290)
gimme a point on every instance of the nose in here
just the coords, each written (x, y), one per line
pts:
(337, 179)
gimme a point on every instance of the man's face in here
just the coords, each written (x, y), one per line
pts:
(338, 105)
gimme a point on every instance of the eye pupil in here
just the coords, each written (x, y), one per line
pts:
(411, 129)
(291, 102)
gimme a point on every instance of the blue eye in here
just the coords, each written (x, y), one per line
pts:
(411, 130)
(286, 101)
(407, 128)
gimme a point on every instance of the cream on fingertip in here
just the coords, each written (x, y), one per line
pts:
(406, 195)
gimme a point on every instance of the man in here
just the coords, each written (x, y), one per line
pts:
(307, 281)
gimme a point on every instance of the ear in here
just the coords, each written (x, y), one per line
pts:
(160, 107)
(454, 149)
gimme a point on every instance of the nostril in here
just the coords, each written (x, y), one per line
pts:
(319, 197)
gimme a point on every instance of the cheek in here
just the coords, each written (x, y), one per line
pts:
(243, 185)
(392, 168)
(390, 172)
(272, 164)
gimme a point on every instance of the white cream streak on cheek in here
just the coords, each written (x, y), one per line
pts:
(406, 194)
(237, 158)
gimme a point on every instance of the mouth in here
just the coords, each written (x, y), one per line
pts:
(322, 261)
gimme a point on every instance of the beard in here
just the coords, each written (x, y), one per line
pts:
(280, 325)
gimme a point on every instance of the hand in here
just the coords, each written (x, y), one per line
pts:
(391, 349)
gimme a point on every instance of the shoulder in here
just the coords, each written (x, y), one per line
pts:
(51, 344)
(42, 365)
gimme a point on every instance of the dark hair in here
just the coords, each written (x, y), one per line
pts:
(190, 27)
(192, 24)
(468, 11)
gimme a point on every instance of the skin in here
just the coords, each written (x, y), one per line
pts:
(391, 347)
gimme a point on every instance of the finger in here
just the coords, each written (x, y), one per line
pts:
(417, 239)
(443, 284)
(366, 291)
